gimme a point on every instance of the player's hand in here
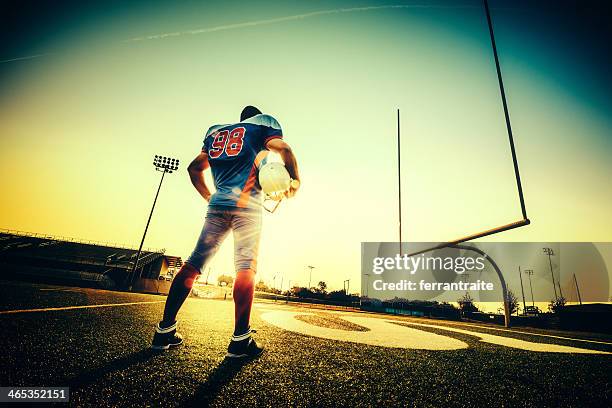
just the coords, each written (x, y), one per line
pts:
(207, 197)
(293, 188)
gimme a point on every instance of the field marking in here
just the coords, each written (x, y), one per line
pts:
(381, 333)
(514, 343)
(61, 290)
(468, 324)
(52, 309)
(544, 335)
(524, 332)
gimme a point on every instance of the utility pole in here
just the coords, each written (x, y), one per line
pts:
(522, 289)
(207, 275)
(550, 252)
(577, 290)
(529, 272)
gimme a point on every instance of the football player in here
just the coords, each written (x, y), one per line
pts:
(234, 153)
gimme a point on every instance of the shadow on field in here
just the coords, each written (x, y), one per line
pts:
(218, 378)
(115, 365)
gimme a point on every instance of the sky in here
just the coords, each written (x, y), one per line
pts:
(89, 93)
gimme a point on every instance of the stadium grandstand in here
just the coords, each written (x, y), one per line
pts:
(69, 261)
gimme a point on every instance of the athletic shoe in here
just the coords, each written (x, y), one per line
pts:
(166, 338)
(244, 346)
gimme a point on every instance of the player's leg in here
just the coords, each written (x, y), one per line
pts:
(244, 287)
(247, 229)
(216, 227)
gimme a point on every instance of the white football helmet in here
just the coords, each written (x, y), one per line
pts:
(275, 182)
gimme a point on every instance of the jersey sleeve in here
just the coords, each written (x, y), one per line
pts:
(207, 139)
(204, 144)
(270, 129)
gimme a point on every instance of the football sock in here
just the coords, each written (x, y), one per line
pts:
(179, 290)
(243, 299)
(243, 336)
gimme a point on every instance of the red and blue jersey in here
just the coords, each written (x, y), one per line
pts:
(235, 153)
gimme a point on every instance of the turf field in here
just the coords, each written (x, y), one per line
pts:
(96, 342)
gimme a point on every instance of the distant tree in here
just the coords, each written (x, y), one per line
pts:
(555, 305)
(466, 303)
(446, 305)
(228, 280)
(337, 295)
(513, 302)
(261, 286)
(322, 287)
(301, 292)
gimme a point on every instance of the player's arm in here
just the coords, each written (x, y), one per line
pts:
(284, 150)
(196, 174)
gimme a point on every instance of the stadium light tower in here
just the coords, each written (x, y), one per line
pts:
(165, 165)
(346, 284)
(310, 276)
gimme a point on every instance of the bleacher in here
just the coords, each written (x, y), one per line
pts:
(71, 261)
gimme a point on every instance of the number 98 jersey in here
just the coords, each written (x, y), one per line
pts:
(235, 154)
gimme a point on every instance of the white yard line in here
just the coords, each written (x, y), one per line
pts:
(529, 333)
(52, 309)
(511, 341)
(464, 325)
(61, 290)
(467, 324)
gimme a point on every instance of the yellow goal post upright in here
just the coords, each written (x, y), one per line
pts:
(506, 227)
